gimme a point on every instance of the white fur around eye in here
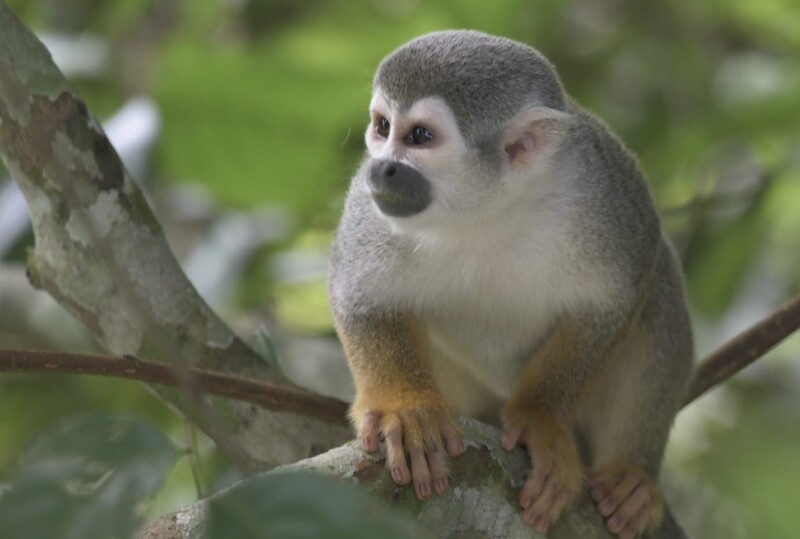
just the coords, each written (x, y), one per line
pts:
(435, 115)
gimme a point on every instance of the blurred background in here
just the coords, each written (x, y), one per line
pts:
(242, 120)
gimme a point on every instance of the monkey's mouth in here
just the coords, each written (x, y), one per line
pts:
(398, 205)
(398, 189)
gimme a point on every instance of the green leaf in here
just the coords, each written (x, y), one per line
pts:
(302, 506)
(85, 478)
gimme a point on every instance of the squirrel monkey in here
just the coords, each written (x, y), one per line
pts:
(500, 257)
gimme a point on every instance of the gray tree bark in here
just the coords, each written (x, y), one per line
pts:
(101, 254)
(482, 502)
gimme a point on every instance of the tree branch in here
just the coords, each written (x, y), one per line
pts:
(481, 501)
(270, 396)
(745, 348)
(718, 366)
(101, 254)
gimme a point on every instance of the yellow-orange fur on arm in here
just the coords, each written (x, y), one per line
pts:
(397, 398)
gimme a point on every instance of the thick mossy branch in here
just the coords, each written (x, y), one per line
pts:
(482, 500)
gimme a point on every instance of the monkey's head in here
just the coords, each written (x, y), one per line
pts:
(461, 123)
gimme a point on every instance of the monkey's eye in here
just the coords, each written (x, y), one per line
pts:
(382, 127)
(419, 135)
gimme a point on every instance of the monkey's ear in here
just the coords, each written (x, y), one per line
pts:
(530, 130)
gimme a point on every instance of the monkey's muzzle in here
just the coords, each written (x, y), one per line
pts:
(398, 189)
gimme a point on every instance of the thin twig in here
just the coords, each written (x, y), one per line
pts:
(268, 395)
(745, 348)
(718, 366)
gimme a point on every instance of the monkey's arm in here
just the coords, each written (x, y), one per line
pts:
(397, 397)
(538, 413)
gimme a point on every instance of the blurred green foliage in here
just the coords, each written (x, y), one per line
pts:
(302, 506)
(83, 479)
(264, 101)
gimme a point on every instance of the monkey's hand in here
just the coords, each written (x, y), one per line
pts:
(627, 498)
(415, 423)
(556, 477)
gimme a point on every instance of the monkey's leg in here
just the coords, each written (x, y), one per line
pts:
(625, 423)
(556, 476)
(396, 398)
(628, 413)
(538, 416)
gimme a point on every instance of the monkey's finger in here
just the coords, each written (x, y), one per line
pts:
(538, 521)
(420, 474)
(437, 463)
(601, 485)
(544, 499)
(538, 516)
(532, 488)
(542, 517)
(395, 454)
(633, 504)
(638, 523)
(629, 510)
(618, 494)
(541, 472)
(561, 501)
(510, 437)
(451, 435)
(370, 431)
(616, 523)
(434, 451)
(546, 509)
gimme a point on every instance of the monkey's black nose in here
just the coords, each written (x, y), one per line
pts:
(398, 189)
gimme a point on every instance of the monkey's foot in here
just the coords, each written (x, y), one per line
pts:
(426, 434)
(555, 478)
(627, 498)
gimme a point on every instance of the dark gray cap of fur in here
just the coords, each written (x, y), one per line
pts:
(484, 79)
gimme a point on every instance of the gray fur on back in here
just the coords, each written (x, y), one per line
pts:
(484, 79)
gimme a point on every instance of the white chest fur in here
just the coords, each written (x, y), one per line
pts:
(488, 297)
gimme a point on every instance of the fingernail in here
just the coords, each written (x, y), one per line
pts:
(397, 475)
(441, 485)
(424, 490)
(614, 523)
(598, 493)
(606, 507)
(526, 501)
